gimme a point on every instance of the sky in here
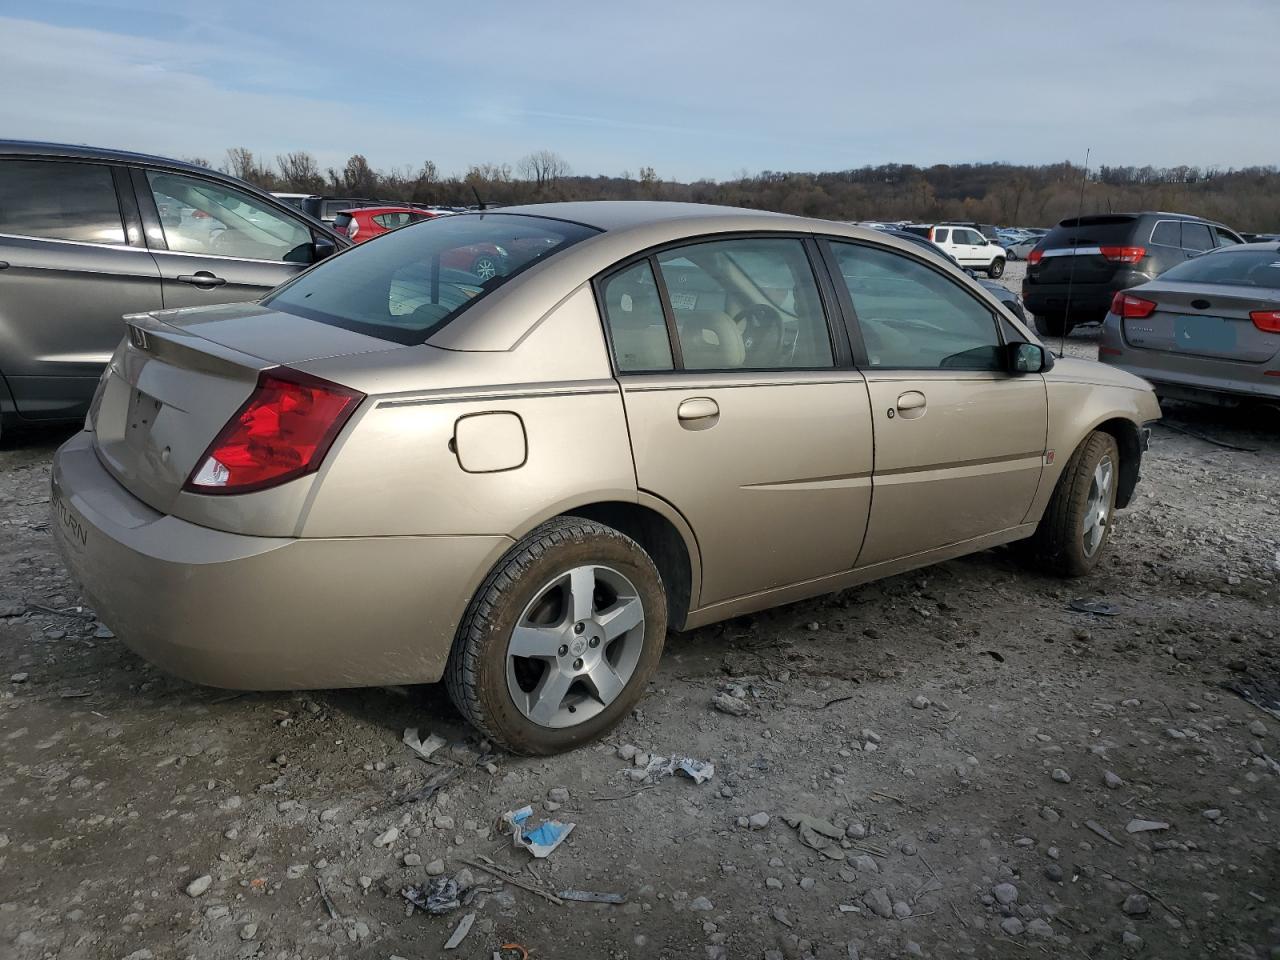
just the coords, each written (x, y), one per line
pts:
(698, 89)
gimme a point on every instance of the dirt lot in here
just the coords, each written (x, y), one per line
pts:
(982, 749)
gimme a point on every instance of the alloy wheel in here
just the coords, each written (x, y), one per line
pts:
(1097, 508)
(575, 647)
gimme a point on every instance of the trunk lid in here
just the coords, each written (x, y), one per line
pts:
(180, 376)
(1202, 320)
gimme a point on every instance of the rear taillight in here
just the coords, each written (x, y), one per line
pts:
(1129, 307)
(282, 432)
(1123, 254)
(1268, 321)
(1035, 256)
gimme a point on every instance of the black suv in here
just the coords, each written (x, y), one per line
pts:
(1079, 265)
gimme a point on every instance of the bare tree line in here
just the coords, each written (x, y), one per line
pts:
(1025, 195)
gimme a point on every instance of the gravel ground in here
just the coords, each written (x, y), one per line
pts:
(948, 763)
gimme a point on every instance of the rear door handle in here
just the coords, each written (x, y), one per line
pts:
(4, 264)
(698, 411)
(910, 405)
(203, 279)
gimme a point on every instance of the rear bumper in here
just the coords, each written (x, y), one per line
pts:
(261, 613)
(1188, 377)
(1089, 301)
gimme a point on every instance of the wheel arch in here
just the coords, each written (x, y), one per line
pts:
(1128, 438)
(665, 536)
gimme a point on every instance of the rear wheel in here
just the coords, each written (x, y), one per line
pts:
(1076, 526)
(996, 270)
(1053, 326)
(561, 639)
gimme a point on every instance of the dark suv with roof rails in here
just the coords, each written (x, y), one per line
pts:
(1079, 265)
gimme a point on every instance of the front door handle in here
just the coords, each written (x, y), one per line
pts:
(697, 412)
(911, 405)
(202, 279)
(4, 264)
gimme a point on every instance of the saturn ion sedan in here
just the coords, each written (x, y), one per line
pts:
(392, 470)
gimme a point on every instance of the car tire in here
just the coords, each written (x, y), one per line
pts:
(1053, 326)
(533, 588)
(1013, 257)
(486, 267)
(1076, 527)
(996, 270)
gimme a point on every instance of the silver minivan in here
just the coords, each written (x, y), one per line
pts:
(88, 235)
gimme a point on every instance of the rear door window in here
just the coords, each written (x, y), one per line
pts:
(59, 200)
(1196, 236)
(637, 325)
(1167, 233)
(748, 303)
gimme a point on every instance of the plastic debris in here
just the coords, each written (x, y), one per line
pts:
(699, 771)
(524, 954)
(423, 748)
(818, 834)
(541, 840)
(1098, 607)
(1101, 831)
(1144, 826)
(460, 932)
(590, 896)
(439, 896)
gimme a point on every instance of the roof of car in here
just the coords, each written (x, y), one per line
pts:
(37, 148)
(621, 214)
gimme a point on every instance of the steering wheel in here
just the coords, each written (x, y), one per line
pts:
(761, 327)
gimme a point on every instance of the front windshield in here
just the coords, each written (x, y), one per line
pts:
(1238, 268)
(407, 284)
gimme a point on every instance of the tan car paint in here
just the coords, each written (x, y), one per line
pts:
(787, 460)
(965, 463)
(380, 552)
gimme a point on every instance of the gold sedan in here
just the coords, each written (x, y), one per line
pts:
(651, 416)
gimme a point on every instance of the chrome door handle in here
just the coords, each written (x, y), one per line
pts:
(203, 279)
(910, 405)
(697, 410)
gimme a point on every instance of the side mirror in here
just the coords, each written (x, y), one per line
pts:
(983, 242)
(1027, 358)
(322, 247)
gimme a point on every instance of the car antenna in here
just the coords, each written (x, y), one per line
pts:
(1075, 244)
(479, 202)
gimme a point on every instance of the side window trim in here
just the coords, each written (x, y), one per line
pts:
(668, 314)
(861, 358)
(134, 235)
(152, 230)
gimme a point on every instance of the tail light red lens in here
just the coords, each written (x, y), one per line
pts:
(1035, 256)
(1129, 307)
(1123, 254)
(282, 432)
(1268, 321)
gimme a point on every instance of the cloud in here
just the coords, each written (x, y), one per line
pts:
(702, 89)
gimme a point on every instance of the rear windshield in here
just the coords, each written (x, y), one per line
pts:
(1240, 268)
(413, 281)
(1090, 231)
(342, 219)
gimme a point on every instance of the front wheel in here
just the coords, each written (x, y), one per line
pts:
(561, 639)
(996, 270)
(1076, 526)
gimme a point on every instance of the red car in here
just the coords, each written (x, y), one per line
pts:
(365, 223)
